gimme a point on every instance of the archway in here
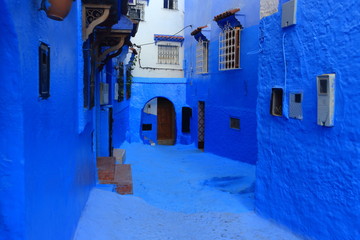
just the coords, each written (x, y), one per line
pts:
(158, 122)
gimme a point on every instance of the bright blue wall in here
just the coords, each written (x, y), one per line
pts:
(145, 89)
(11, 141)
(55, 171)
(229, 93)
(308, 176)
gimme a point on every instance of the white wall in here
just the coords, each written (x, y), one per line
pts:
(158, 20)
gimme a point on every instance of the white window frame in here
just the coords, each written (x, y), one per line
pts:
(175, 4)
(229, 48)
(168, 54)
(202, 53)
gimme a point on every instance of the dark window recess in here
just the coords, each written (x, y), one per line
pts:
(234, 123)
(298, 97)
(44, 71)
(86, 80)
(147, 127)
(323, 86)
(276, 105)
(128, 83)
(186, 115)
(121, 84)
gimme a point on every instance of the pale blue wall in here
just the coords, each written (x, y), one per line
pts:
(49, 165)
(226, 94)
(308, 176)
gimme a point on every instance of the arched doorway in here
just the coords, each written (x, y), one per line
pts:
(158, 122)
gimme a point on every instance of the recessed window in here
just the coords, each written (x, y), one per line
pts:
(234, 123)
(147, 127)
(276, 105)
(202, 51)
(44, 71)
(171, 4)
(186, 116)
(229, 48)
(168, 54)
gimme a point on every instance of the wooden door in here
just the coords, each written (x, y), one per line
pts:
(165, 122)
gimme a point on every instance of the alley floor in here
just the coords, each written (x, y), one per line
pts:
(180, 193)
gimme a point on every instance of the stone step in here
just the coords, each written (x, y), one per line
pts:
(106, 169)
(120, 155)
(123, 179)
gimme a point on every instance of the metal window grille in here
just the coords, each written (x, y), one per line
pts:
(202, 51)
(171, 4)
(229, 49)
(137, 12)
(168, 54)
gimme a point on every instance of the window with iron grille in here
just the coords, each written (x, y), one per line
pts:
(136, 12)
(171, 4)
(229, 48)
(168, 54)
(202, 51)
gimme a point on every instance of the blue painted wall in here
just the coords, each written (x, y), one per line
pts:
(229, 93)
(47, 166)
(308, 176)
(11, 145)
(145, 89)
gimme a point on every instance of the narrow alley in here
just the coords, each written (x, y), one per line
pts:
(180, 193)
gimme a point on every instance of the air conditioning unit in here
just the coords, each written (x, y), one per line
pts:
(104, 93)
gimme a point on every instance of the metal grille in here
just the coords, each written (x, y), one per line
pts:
(168, 54)
(202, 57)
(137, 12)
(229, 49)
(171, 4)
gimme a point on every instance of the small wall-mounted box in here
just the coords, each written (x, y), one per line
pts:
(104, 93)
(288, 17)
(326, 99)
(295, 106)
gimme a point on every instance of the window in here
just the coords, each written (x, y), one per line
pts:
(171, 4)
(202, 50)
(234, 123)
(168, 54)
(136, 12)
(229, 48)
(44, 71)
(276, 102)
(147, 127)
(120, 83)
(186, 116)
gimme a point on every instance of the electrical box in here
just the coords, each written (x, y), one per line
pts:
(288, 17)
(295, 106)
(104, 93)
(326, 99)
(116, 91)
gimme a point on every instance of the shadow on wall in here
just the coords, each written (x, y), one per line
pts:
(158, 122)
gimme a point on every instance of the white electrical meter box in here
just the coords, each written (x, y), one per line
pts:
(104, 93)
(288, 16)
(325, 99)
